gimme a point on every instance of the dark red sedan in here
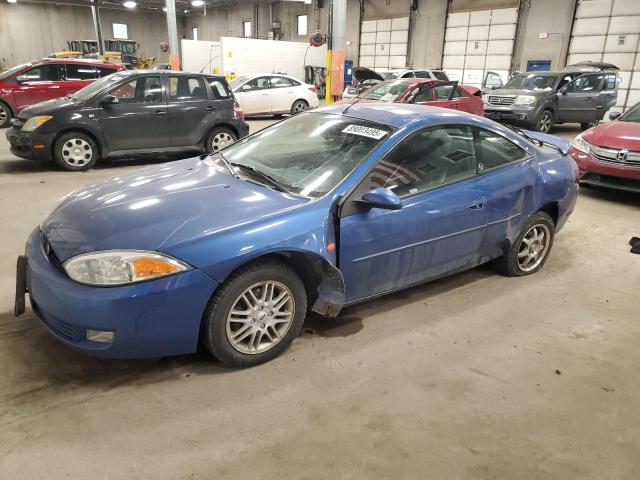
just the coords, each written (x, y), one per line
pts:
(434, 93)
(46, 79)
(609, 155)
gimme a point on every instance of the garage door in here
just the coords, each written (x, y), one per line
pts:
(609, 31)
(477, 42)
(383, 43)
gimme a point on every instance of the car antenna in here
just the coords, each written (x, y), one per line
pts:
(360, 97)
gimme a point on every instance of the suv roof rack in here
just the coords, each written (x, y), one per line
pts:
(588, 65)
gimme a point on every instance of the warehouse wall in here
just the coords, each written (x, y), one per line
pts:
(30, 31)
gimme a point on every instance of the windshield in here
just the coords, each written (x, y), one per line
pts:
(532, 81)
(632, 115)
(308, 154)
(390, 75)
(13, 70)
(90, 90)
(387, 91)
(236, 82)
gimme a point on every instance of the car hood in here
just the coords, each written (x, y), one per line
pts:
(48, 108)
(362, 74)
(158, 208)
(513, 92)
(616, 134)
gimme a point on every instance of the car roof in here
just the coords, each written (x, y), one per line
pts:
(414, 80)
(79, 61)
(396, 115)
(173, 73)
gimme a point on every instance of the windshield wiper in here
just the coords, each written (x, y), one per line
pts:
(226, 163)
(265, 176)
(525, 135)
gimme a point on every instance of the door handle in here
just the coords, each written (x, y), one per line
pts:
(210, 107)
(478, 204)
(54, 86)
(159, 112)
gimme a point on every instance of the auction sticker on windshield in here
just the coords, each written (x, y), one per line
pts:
(365, 131)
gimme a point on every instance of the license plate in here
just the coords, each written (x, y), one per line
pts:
(21, 285)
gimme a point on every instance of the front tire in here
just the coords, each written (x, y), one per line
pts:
(218, 139)
(5, 115)
(299, 106)
(255, 314)
(544, 121)
(587, 125)
(75, 151)
(530, 250)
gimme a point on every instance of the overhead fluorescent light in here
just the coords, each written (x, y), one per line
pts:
(164, 9)
(197, 3)
(130, 4)
(12, 1)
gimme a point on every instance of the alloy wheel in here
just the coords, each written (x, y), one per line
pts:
(4, 115)
(545, 123)
(77, 152)
(534, 247)
(220, 141)
(299, 107)
(260, 317)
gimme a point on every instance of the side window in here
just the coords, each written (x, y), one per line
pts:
(80, 72)
(408, 75)
(442, 92)
(43, 73)
(421, 74)
(140, 90)
(496, 150)
(219, 89)
(427, 159)
(565, 80)
(610, 82)
(185, 89)
(255, 84)
(104, 71)
(424, 95)
(277, 82)
(586, 84)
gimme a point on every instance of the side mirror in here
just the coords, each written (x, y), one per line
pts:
(381, 198)
(495, 87)
(563, 90)
(614, 115)
(109, 100)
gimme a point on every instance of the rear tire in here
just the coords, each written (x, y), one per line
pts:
(530, 250)
(299, 106)
(218, 139)
(5, 115)
(255, 314)
(75, 151)
(544, 121)
(587, 125)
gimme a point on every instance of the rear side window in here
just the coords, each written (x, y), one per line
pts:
(280, 82)
(421, 74)
(496, 151)
(442, 92)
(140, 90)
(440, 75)
(104, 71)
(610, 82)
(80, 72)
(43, 73)
(219, 90)
(185, 89)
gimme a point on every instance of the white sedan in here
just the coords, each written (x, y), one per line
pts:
(273, 94)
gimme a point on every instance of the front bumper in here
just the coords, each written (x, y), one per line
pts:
(608, 175)
(150, 319)
(30, 145)
(511, 114)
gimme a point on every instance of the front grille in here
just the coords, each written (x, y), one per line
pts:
(615, 155)
(628, 184)
(63, 329)
(496, 100)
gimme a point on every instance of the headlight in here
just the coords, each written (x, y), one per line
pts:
(34, 122)
(485, 98)
(580, 144)
(114, 267)
(527, 100)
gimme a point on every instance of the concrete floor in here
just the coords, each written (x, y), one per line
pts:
(475, 376)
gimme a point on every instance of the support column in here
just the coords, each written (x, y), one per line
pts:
(95, 12)
(172, 30)
(335, 50)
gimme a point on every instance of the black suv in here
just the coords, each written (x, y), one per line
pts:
(130, 114)
(540, 99)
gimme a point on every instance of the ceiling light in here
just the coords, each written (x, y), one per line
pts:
(130, 4)
(12, 1)
(164, 9)
(197, 3)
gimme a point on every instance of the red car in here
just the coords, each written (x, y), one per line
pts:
(609, 155)
(434, 93)
(46, 79)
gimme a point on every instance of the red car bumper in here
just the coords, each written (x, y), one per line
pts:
(606, 174)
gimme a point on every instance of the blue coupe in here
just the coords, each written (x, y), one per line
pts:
(317, 212)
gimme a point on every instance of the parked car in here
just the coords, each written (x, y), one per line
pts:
(130, 113)
(46, 79)
(322, 210)
(273, 94)
(432, 73)
(538, 100)
(609, 155)
(433, 93)
(363, 80)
